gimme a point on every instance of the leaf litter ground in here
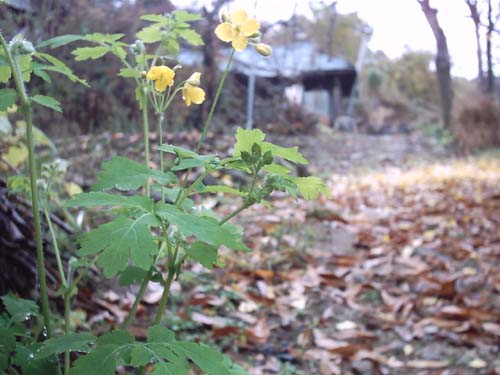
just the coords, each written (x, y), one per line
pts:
(397, 274)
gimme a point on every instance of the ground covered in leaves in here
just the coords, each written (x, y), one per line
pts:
(398, 273)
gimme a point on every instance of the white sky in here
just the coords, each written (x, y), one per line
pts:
(398, 25)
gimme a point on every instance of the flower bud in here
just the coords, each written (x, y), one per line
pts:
(143, 74)
(263, 49)
(194, 80)
(21, 46)
(137, 47)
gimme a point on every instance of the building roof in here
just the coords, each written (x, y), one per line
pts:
(290, 61)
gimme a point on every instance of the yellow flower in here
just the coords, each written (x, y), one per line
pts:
(162, 75)
(238, 30)
(191, 93)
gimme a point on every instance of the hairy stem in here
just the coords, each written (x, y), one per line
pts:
(160, 119)
(26, 109)
(60, 267)
(233, 214)
(137, 301)
(145, 125)
(206, 126)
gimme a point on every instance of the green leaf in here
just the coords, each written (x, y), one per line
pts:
(245, 140)
(25, 358)
(183, 16)
(4, 68)
(39, 136)
(7, 345)
(157, 18)
(205, 357)
(129, 73)
(170, 357)
(120, 240)
(47, 101)
(103, 38)
(223, 189)
(184, 154)
(59, 67)
(191, 36)
(85, 53)
(7, 98)
(125, 174)
(310, 187)
(118, 337)
(24, 62)
(40, 72)
(73, 342)
(203, 253)
(93, 199)
(60, 40)
(150, 34)
(277, 168)
(132, 275)
(19, 309)
(203, 228)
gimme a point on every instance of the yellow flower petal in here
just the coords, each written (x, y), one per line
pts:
(240, 42)
(162, 75)
(238, 17)
(154, 73)
(193, 94)
(225, 32)
(250, 27)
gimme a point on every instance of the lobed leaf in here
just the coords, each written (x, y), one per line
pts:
(19, 309)
(85, 53)
(7, 98)
(93, 199)
(245, 139)
(61, 40)
(203, 253)
(47, 101)
(125, 174)
(205, 229)
(119, 241)
(310, 187)
(73, 342)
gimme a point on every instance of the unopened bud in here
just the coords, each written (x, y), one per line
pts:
(263, 49)
(144, 74)
(21, 46)
(137, 47)
(194, 80)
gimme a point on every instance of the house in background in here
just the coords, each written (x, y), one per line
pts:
(314, 80)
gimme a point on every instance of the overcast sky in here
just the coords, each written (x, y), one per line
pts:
(398, 25)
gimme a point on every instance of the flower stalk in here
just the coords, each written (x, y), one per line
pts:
(26, 110)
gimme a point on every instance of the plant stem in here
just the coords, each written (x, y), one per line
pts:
(60, 267)
(26, 109)
(67, 312)
(160, 118)
(145, 125)
(137, 301)
(164, 297)
(233, 214)
(214, 103)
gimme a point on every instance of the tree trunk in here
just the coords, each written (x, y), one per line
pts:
(490, 81)
(443, 64)
(476, 18)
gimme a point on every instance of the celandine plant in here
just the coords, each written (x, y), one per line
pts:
(150, 240)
